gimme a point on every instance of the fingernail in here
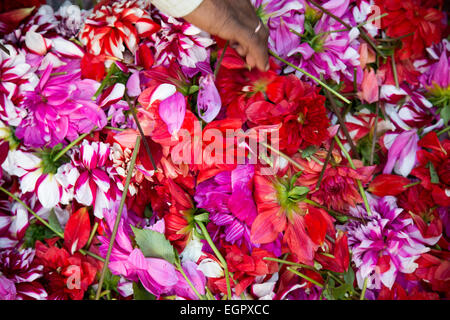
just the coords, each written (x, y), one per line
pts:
(267, 67)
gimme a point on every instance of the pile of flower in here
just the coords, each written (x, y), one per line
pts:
(141, 158)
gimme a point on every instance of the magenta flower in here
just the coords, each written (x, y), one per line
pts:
(402, 152)
(172, 108)
(60, 108)
(437, 72)
(384, 246)
(228, 198)
(197, 278)
(208, 100)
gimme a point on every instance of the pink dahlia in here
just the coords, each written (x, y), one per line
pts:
(116, 26)
(386, 245)
(229, 200)
(60, 108)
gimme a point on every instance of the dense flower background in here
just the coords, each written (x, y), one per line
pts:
(93, 104)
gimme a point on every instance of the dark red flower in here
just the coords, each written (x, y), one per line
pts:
(245, 266)
(65, 276)
(434, 167)
(417, 21)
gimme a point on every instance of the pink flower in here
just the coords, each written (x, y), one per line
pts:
(60, 108)
(369, 87)
(208, 100)
(172, 107)
(402, 152)
(384, 246)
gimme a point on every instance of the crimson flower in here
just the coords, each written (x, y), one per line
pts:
(246, 267)
(417, 21)
(65, 276)
(434, 167)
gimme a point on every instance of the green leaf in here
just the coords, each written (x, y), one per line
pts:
(309, 151)
(54, 222)
(298, 193)
(140, 293)
(154, 244)
(203, 217)
(37, 232)
(433, 174)
(445, 113)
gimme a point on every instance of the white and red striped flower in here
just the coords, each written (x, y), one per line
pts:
(15, 77)
(185, 43)
(112, 28)
(94, 185)
(33, 176)
(18, 275)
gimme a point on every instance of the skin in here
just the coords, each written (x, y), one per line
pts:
(236, 21)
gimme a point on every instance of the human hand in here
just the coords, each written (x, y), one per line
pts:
(236, 21)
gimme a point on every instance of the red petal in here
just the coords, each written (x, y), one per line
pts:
(388, 185)
(77, 230)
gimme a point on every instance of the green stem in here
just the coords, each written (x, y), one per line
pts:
(180, 268)
(289, 263)
(218, 255)
(394, 71)
(119, 215)
(283, 155)
(91, 236)
(310, 76)
(363, 293)
(301, 275)
(331, 275)
(104, 82)
(360, 186)
(219, 62)
(324, 167)
(141, 132)
(412, 184)
(443, 131)
(45, 223)
(70, 146)
(75, 142)
(113, 128)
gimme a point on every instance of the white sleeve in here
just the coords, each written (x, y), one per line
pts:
(176, 8)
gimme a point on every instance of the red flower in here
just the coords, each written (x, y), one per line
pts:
(416, 18)
(93, 67)
(247, 266)
(340, 256)
(19, 4)
(398, 293)
(65, 276)
(434, 167)
(338, 188)
(434, 268)
(388, 185)
(114, 25)
(265, 98)
(279, 209)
